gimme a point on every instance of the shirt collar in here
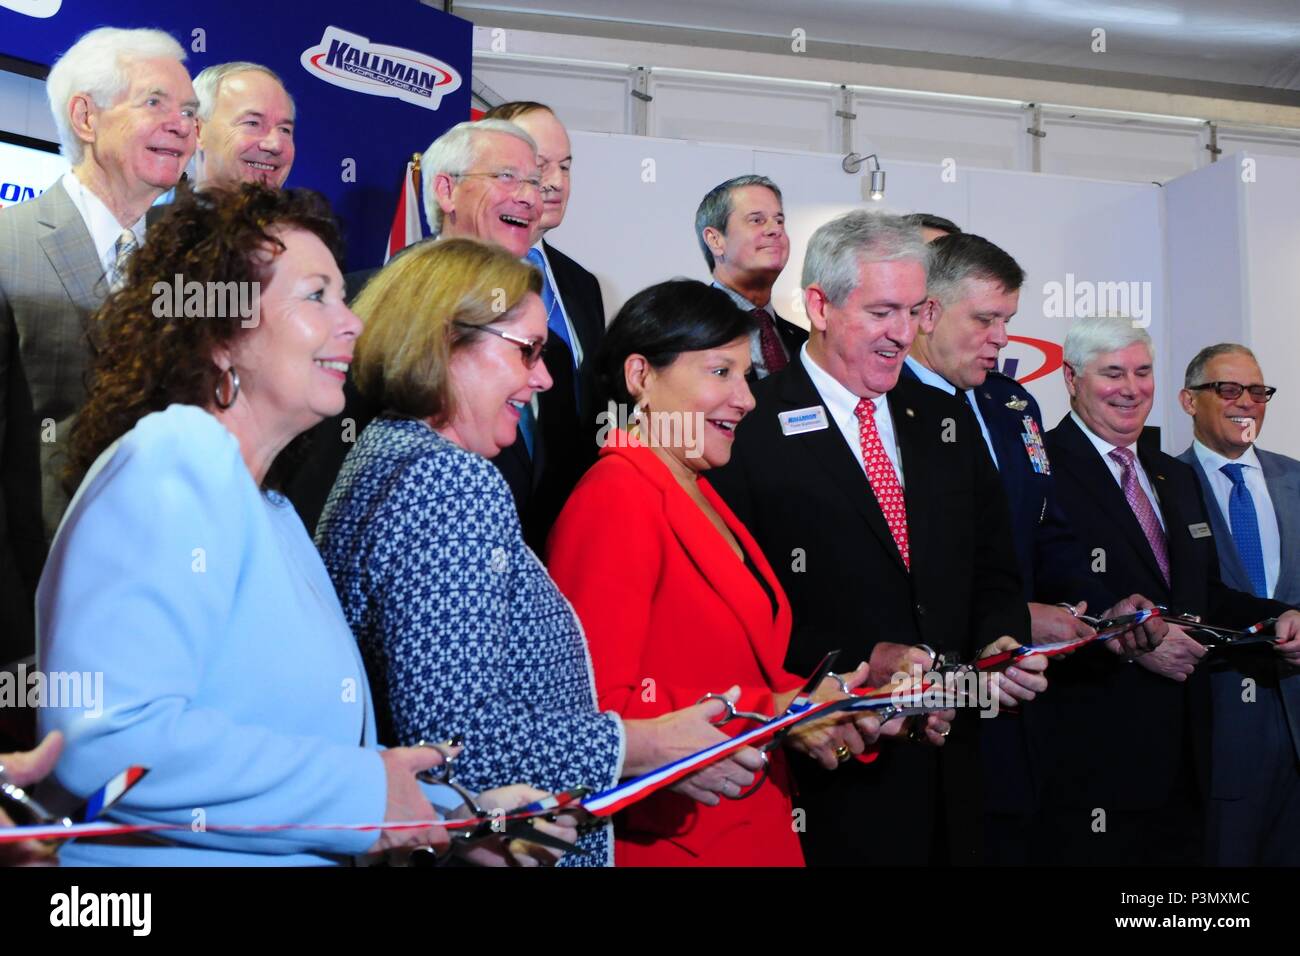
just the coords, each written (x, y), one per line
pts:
(929, 376)
(839, 400)
(1104, 448)
(741, 302)
(102, 225)
(1212, 461)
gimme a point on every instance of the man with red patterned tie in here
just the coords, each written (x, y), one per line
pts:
(740, 225)
(877, 505)
(1126, 789)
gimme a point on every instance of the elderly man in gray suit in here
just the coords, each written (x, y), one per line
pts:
(1252, 498)
(124, 108)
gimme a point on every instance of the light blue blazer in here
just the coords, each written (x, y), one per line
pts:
(228, 668)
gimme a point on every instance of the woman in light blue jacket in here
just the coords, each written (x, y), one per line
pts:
(191, 590)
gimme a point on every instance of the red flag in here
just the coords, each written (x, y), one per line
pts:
(406, 228)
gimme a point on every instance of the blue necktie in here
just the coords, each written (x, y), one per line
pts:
(1245, 528)
(554, 314)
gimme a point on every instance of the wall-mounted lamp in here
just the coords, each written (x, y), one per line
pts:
(853, 163)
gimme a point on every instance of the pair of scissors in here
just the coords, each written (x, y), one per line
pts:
(1212, 635)
(802, 701)
(516, 824)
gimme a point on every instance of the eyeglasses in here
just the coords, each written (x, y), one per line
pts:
(1232, 390)
(508, 180)
(530, 348)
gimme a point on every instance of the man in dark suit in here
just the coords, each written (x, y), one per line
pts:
(877, 505)
(1252, 497)
(59, 255)
(740, 225)
(1128, 740)
(563, 424)
(976, 288)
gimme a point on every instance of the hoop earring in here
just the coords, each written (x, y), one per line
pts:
(234, 388)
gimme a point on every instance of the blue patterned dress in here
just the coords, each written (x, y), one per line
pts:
(461, 628)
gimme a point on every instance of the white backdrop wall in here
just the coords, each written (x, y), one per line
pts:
(631, 216)
(1234, 276)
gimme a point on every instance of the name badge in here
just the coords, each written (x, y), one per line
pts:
(1200, 530)
(802, 420)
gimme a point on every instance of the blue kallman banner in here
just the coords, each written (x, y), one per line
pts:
(373, 82)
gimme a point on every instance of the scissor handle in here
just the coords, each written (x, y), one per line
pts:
(731, 712)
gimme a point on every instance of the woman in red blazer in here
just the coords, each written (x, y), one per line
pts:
(674, 596)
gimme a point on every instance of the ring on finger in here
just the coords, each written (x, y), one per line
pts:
(843, 753)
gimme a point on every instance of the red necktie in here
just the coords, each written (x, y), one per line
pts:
(883, 478)
(769, 342)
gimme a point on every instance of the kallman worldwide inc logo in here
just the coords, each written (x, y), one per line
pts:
(354, 63)
(41, 9)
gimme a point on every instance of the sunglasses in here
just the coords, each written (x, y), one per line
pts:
(1232, 390)
(531, 349)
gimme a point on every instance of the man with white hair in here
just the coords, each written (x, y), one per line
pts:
(481, 181)
(245, 126)
(817, 475)
(1126, 739)
(124, 109)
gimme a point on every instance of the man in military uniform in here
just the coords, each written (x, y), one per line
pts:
(975, 290)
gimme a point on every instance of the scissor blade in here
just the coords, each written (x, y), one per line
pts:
(821, 672)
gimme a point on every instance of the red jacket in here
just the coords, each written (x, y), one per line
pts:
(670, 614)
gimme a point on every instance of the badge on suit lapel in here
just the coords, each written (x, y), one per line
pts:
(1017, 404)
(801, 420)
(1200, 530)
(1033, 439)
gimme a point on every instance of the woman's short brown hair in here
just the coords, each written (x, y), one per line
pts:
(143, 358)
(415, 310)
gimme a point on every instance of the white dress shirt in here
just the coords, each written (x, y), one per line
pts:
(1104, 448)
(841, 407)
(102, 225)
(930, 377)
(1269, 538)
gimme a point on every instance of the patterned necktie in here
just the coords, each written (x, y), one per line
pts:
(883, 478)
(122, 250)
(1245, 528)
(1143, 510)
(769, 342)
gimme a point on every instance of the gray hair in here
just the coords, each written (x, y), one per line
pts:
(1097, 335)
(454, 152)
(839, 248)
(97, 64)
(207, 85)
(716, 207)
(1196, 367)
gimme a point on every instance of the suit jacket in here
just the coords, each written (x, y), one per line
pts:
(809, 505)
(1053, 567)
(51, 280)
(564, 443)
(226, 684)
(680, 609)
(1119, 736)
(1235, 726)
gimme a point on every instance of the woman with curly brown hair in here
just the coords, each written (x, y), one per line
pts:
(228, 668)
